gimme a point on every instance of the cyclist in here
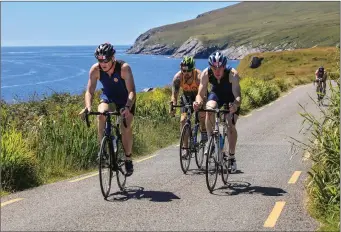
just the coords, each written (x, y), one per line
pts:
(118, 92)
(225, 89)
(188, 78)
(321, 74)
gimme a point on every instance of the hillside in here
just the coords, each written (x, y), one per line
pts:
(300, 62)
(245, 28)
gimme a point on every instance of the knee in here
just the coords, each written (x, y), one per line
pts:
(231, 129)
(101, 118)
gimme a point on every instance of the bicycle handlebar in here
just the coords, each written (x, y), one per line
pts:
(106, 113)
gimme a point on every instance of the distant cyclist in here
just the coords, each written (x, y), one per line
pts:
(225, 89)
(321, 74)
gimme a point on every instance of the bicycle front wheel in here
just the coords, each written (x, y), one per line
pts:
(105, 166)
(199, 151)
(212, 164)
(185, 150)
(119, 155)
(225, 163)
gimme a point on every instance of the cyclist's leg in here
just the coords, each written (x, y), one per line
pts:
(324, 83)
(127, 138)
(232, 132)
(212, 103)
(103, 106)
(127, 132)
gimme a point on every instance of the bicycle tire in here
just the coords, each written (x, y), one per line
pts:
(199, 152)
(119, 157)
(211, 155)
(186, 129)
(225, 166)
(102, 158)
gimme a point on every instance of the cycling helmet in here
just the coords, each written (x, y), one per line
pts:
(217, 59)
(105, 51)
(321, 69)
(189, 62)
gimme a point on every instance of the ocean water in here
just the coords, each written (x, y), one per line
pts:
(26, 71)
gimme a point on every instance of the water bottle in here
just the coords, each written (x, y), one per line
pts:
(221, 140)
(114, 143)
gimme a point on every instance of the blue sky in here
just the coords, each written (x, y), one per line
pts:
(90, 23)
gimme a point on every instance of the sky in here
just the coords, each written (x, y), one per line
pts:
(91, 23)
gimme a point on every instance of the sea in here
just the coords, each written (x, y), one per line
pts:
(29, 73)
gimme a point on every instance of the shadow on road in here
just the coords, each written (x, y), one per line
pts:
(139, 193)
(239, 187)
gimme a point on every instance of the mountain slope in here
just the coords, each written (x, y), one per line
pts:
(246, 27)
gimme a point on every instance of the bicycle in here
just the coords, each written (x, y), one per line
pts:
(215, 150)
(193, 146)
(112, 143)
(320, 92)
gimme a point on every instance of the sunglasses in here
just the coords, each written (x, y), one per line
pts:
(186, 71)
(215, 68)
(104, 61)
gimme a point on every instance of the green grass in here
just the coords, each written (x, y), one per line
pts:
(303, 62)
(285, 24)
(324, 148)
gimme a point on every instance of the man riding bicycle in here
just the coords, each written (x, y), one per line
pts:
(118, 92)
(188, 78)
(321, 74)
(225, 90)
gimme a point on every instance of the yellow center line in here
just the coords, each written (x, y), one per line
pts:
(294, 177)
(270, 104)
(11, 201)
(138, 161)
(84, 177)
(274, 215)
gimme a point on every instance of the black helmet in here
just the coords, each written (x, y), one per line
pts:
(189, 62)
(217, 59)
(105, 50)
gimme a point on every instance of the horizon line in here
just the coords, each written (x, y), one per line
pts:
(72, 45)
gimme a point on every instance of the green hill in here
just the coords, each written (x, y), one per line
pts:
(261, 26)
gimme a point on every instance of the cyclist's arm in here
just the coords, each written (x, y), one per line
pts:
(202, 87)
(175, 88)
(92, 83)
(316, 74)
(234, 78)
(128, 77)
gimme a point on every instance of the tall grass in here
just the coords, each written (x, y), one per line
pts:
(324, 150)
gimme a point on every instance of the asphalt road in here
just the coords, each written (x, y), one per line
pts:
(161, 197)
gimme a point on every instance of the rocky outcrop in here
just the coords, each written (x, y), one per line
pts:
(193, 47)
(142, 47)
(157, 49)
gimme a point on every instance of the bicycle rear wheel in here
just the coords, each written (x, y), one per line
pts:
(185, 151)
(105, 166)
(199, 150)
(119, 163)
(211, 164)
